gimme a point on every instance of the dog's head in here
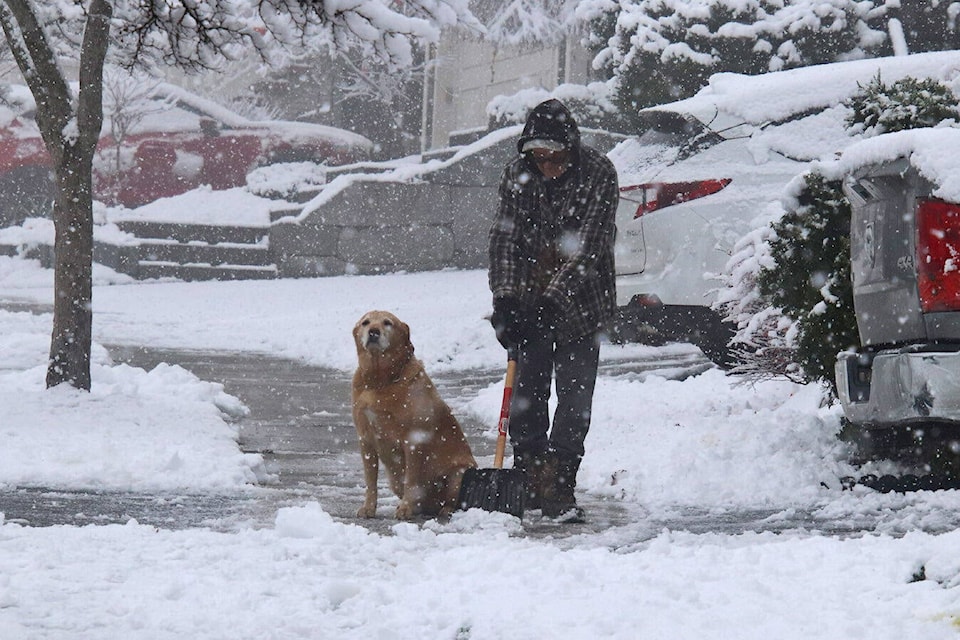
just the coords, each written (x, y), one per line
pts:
(380, 333)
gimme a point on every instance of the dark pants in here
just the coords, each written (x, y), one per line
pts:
(575, 365)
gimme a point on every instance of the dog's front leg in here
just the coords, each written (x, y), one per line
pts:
(371, 464)
(411, 502)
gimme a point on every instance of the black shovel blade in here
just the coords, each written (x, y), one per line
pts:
(493, 490)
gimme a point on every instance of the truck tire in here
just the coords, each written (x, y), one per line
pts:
(931, 446)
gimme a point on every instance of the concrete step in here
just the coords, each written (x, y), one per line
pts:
(287, 212)
(197, 272)
(201, 252)
(211, 234)
(152, 250)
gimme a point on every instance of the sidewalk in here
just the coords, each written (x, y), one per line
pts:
(300, 422)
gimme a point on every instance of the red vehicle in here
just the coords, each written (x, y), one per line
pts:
(171, 142)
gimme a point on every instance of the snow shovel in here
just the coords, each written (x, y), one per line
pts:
(497, 489)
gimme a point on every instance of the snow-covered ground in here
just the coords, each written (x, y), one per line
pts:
(709, 443)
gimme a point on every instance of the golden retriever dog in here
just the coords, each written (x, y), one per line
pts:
(403, 423)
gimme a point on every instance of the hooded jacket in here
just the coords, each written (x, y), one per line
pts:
(553, 239)
(551, 120)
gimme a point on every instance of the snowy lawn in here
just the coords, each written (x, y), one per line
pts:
(659, 446)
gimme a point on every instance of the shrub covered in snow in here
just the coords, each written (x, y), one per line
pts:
(591, 105)
(790, 290)
(663, 50)
(809, 278)
(286, 180)
(765, 337)
(909, 103)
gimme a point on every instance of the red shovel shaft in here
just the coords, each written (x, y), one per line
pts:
(504, 424)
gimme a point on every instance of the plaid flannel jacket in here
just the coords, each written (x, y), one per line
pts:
(573, 228)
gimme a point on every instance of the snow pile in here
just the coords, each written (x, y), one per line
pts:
(136, 430)
(310, 577)
(930, 151)
(775, 96)
(285, 179)
(660, 447)
(672, 447)
(237, 206)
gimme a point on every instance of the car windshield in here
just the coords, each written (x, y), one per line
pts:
(160, 115)
(664, 138)
(679, 131)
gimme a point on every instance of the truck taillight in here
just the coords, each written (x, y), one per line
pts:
(938, 255)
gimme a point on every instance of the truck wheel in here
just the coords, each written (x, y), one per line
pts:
(931, 446)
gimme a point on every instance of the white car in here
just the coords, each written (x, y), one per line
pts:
(711, 168)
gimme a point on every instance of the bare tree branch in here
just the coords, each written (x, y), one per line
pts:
(40, 70)
(194, 34)
(93, 52)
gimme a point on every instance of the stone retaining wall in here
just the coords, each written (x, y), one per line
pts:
(379, 227)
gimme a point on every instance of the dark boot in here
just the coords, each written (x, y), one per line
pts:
(559, 481)
(531, 463)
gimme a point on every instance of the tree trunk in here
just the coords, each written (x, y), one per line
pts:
(70, 134)
(73, 274)
(73, 212)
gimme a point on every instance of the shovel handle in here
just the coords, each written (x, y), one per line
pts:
(504, 423)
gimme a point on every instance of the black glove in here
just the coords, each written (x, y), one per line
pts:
(508, 321)
(549, 314)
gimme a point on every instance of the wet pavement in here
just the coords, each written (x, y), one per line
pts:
(300, 423)
(42, 507)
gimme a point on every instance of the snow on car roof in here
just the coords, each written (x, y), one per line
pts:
(179, 110)
(775, 96)
(289, 130)
(767, 107)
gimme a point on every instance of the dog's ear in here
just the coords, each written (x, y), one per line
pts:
(356, 331)
(405, 332)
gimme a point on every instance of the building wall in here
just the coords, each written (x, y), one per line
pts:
(468, 73)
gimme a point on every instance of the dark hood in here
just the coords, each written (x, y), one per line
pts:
(551, 120)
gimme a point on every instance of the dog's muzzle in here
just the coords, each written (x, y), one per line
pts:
(375, 340)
